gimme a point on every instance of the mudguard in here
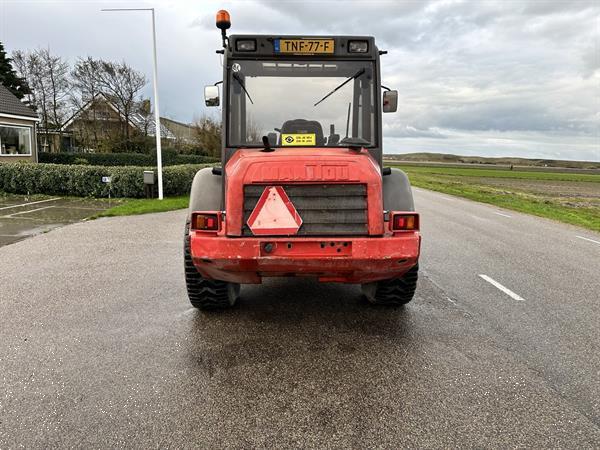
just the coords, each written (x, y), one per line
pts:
(206, 192)
(397, 194)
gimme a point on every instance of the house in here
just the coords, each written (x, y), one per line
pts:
(183, 132)
(18, 125)
(99, 121)
(52, 140)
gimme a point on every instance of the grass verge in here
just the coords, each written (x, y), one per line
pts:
(471, 184)
(145, 206)
(472, 172)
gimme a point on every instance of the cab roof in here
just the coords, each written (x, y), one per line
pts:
(292, 46)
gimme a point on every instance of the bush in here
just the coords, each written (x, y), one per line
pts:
(86, 181)
(170, 158)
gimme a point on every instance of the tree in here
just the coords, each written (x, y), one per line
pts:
(208, 135)
(56, 71)
(84, 81)
(122, 84)
(144, 108)
(57, 91)
(21, 62)
(85, 91)
(47, 76)
(9, 78)
(30, 67)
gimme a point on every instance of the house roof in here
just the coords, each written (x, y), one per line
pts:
(167, 120)
(136, 120)
(87, 104)
(11, 105)
(141, 122)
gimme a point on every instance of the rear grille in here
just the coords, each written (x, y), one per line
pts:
(325, 209)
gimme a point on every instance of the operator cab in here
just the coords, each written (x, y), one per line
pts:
(289, 91)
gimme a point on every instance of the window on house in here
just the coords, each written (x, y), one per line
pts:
(15, 140)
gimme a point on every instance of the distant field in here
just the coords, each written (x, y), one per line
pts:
(533, 163)
(523, 168)
(569, 197)
(503, 173)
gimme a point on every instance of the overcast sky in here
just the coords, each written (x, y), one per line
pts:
(497, 78)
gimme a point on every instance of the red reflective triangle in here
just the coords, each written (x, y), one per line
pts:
(274, 213)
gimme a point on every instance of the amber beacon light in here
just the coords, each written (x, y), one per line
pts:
(223, 20)
(223, 23)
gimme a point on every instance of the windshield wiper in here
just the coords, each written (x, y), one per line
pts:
(356, 75)
(237, 78)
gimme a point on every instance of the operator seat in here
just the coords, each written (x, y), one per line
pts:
(302, 126)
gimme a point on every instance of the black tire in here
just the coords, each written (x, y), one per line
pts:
(204, 293)
(394, 292)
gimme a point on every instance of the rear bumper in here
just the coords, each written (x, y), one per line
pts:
(347, 260)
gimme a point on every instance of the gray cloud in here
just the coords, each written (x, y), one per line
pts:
(591, 59)
(396, 130)
(503, 76)
(542, 7)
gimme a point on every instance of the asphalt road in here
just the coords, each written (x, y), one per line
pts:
(99, 348)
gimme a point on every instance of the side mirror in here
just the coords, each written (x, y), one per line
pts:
(390, 101)
(211, 95)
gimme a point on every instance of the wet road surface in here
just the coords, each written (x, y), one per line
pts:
(98, 346)
(22, 216)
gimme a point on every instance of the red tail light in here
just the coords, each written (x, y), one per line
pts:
(400, 221)
(206, 221)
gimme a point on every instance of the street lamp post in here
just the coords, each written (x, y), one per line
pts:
(157, 128)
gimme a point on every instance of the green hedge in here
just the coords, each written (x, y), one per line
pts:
(86, 181)
(170, 158)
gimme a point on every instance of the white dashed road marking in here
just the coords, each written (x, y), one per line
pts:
(30, 211)
(588, 239)
(503, 215)
(502, 288)
(30, 203)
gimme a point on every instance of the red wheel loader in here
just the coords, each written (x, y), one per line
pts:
(301, 190)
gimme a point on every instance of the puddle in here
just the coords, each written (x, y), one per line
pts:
(22, 216)
(57, 214)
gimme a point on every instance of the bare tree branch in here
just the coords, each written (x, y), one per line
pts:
(47, 76)
(122, 84)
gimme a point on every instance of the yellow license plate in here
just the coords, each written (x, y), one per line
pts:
(304, 46)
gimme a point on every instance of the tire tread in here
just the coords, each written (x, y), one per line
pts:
(203, 293)
(397, 291)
